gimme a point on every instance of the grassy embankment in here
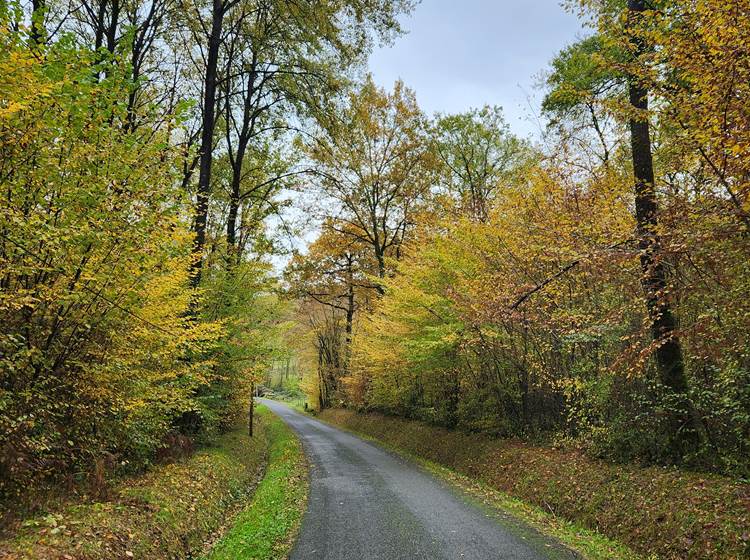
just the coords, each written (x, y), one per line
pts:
(179, 509)
(669, 513)
(266, 528)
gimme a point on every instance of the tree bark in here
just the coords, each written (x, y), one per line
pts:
(663, 323)
(349, 312)
(322, 392)
(380, 258)
(249, 114)
(207, 140)
(111, 31)
(234, 205)
(37, 22)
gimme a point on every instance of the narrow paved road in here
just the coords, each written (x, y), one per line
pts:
(367, 503)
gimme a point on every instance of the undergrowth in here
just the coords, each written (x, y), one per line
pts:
(169, 512)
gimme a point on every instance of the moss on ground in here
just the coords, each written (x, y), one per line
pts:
(668, 513)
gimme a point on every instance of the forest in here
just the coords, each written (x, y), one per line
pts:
(142, 147)
(194, 192)
(588, 290)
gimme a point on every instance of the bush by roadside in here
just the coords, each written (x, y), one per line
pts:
(671, 513)
(168, 513)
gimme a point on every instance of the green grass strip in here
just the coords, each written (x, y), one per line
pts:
(267, 527)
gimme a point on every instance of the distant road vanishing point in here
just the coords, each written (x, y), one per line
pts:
(367, 503)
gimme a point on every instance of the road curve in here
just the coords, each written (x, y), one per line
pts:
(367, 503)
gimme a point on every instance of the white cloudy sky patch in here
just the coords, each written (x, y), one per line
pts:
(467, 53)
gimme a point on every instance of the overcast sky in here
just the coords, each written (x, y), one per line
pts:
(459, 54)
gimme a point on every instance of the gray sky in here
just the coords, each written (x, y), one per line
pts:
(459, 54)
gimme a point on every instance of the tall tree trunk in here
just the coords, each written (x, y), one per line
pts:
(668, 354)
(234, 205)
(322, 381)
(380, 258)
(234, 251)
(249, 114)
(207, 141)
(349, 312)
(37, 22)
(99, 30)
(111, 31)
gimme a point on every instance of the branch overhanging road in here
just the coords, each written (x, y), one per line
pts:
(367, 503)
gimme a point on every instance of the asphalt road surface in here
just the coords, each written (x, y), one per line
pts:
(367, 503)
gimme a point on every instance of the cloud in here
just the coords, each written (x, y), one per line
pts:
(461, 54)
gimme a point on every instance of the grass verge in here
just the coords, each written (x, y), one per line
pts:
(170, 512)
(591, 545)
(589, 505)
(267, 527)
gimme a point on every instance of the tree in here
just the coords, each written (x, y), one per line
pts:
(275, 71)
(549, 303)
(334, 275)
(219, 9)
(109, 108)
(97, 354)
(275, 52)
(668, 350)
(700, 51)
(478, 155)
(373, 166)
(590, 75)
(582, 85)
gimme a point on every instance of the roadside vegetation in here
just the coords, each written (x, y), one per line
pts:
(656, 511)
(144, 148)
(578, 301)
(283, 382)
(239, 498)
(566, 322)
(266, 528)
(587, 291)
(170, 512)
